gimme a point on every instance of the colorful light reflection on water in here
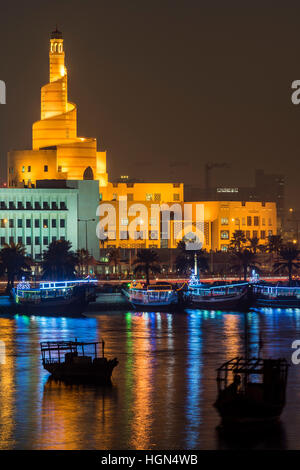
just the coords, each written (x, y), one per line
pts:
(163, 389)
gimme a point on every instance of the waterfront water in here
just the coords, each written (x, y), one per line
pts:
(163, 388)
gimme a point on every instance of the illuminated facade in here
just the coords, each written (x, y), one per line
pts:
(38, 216)
(57, 152)
(221, 220)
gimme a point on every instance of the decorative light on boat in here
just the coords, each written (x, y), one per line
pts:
(22, 285)
(254, 276)
(194, 280)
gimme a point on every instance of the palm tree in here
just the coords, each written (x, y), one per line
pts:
(147, 261)
(253, 244)
(59, 261)
(238, 239)
(114, 257)
(275, 243)
(14, 262)
(83, 260)
(289, 255)
(246, 259)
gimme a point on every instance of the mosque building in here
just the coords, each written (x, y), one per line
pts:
(63, 160)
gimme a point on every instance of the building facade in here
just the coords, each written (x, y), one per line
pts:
(142, 227)
(55, 189)
(38, 216)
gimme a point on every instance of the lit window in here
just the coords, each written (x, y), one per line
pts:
(256, 220)
(224, 234)
(23, 169)
(224, 247)
(124, 221)
(123, 235)
(149, 197)
(249, 220)
(224, 221)
(270, 221)
(243, 221)
(176, 197)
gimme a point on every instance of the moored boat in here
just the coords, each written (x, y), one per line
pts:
(267, 295)
(77, 361)
(220, 297)
(53, 297)
(153, 296)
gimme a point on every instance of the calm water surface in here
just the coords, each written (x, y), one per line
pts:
(163, 388)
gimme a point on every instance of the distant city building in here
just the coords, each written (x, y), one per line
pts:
(267, 188)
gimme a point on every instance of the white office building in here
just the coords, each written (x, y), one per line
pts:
(54, 210)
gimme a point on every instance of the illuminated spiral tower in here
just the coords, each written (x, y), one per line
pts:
(58, 124)
(57, 152)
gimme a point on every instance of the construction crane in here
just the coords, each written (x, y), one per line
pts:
(208, 168)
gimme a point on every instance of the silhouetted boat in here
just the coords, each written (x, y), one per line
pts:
(256, 393)
(77, 361)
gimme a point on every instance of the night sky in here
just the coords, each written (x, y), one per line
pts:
(165, 86)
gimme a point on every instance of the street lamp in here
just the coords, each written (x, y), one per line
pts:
(86, 239)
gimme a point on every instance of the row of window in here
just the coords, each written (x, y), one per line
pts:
(28, 240)
(28, 223)
(255, 221)
(149, 197)
(28, 205)
(11, 169)
(29, 169)
(225, 234)
(152, 221)
(141, 235)
(131, 185)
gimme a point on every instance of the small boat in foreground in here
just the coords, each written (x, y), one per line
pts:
(77, 361)
(153, 296)
(256, 393)
(276, 296)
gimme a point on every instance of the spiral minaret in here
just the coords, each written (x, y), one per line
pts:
(56, 148)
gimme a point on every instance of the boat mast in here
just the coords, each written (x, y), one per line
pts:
(195, 264)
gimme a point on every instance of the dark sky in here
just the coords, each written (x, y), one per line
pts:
(164, 85)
